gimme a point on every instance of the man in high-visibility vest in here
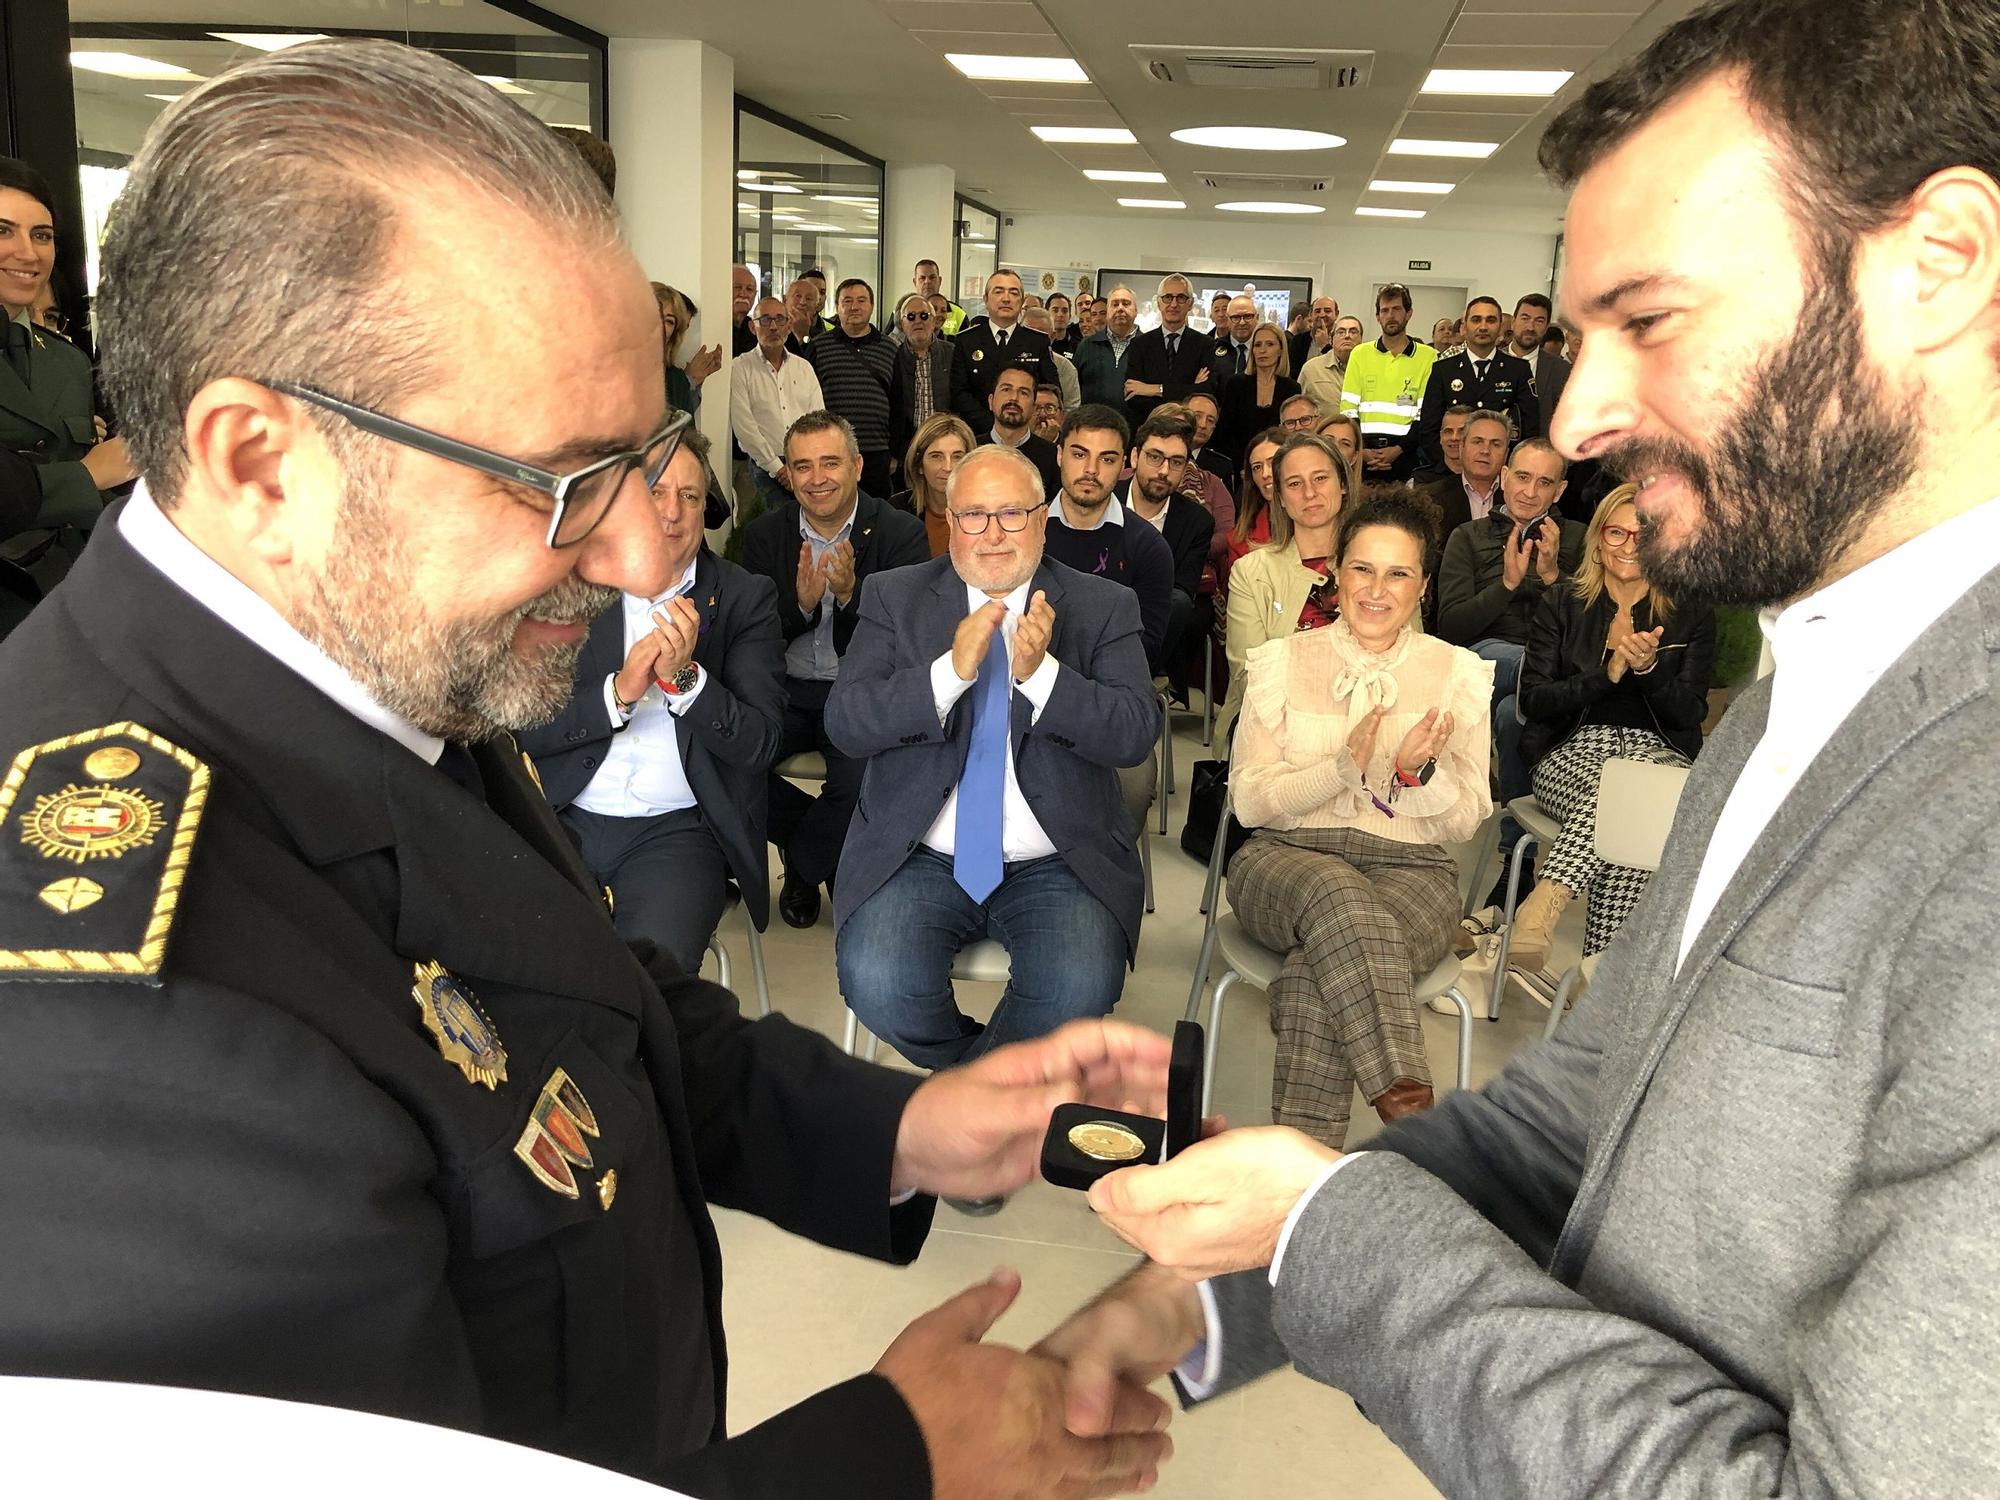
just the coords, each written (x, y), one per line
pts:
(929, 280)
(1385, 389)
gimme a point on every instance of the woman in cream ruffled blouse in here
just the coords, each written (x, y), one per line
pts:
(1363, 749)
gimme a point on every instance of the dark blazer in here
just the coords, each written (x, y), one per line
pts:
(1509, 388)
(1146, 360)
(976, 363)
(903, 391)
(1551, 376)
(1102, 715)
(1189, 530)
(1474, 603)
(1040, 452)
(268, 1179)
(728, 738)
(1564, 684)
(883, 536)
(1242, 418)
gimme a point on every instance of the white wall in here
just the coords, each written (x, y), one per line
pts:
(1344, 261)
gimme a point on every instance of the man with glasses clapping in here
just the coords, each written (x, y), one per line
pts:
(995, 693)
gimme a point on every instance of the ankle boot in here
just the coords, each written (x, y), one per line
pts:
(1535, 926)
(1405, 1096)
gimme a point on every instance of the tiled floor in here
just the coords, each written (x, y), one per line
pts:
(800, 1317)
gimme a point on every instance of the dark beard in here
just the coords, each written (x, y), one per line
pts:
(1815, 449)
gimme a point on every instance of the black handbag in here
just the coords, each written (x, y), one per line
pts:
(1208, 789)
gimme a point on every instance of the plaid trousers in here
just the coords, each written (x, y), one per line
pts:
(1357, 917)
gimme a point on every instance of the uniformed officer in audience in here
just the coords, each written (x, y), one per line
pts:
(45, 395)
(328, 1076)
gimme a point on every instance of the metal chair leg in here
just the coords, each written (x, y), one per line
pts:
(847, 1035)
(874, 1045)
(1464, 1009)
(1146, 863)
(758, 977)
(1561, 1002)
(721, 957)
(1208, 695)
(1528, 841)
(1214, 1039)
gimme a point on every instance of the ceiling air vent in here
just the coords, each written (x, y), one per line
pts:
(1256, 67)
(1259, 182)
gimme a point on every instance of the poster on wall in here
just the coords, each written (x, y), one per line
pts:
(1046, 281)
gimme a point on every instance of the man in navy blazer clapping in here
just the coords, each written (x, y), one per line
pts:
(995, 693)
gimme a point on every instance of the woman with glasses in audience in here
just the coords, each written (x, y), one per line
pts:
(1362, 752)
(921, 386)
(1250, 401)
(1289, 585)
(927, 463)
(1614, 669)
(676, 316)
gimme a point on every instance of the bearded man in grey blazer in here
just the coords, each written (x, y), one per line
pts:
(1733, 1230)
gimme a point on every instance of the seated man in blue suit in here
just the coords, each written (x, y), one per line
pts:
(995, 693)
(657, 764)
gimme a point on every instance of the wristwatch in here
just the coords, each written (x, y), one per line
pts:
(681, 682)
(1423, 776)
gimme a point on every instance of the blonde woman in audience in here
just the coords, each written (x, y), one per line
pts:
(1613, 669)
(676, 316)
(933, 453)
(1289, 585)
(1362, 751)
(1250, 402)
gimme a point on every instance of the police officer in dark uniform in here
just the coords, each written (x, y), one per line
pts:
(1483, 376)
(45, 381)
(329, 1077)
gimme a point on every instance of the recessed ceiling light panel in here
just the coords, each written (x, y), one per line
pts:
(128, 65)
(1469, 150)
(1366, 211)
(1497, 83)
(1258, 138)
(1398, 185)
(1151, 203)
(997, 69)
(1271, 208)
(1096, 174)
(1085, 135)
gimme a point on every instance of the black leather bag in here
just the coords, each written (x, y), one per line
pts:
(1208, 789)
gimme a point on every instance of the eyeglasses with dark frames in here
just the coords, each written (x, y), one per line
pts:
(1013, 518)
(916, 317)
(581, 498)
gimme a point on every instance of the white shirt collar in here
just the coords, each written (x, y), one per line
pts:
(1835, 643)
(1114, 515)
(1016, 602)
(155, 538)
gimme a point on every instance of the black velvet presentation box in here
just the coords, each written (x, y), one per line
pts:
(1066, 1166)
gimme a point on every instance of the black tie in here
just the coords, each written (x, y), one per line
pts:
(1479, 372)
(457, 763)
(17, 349)
(1000, 338)
(1173, 345)
(1242, 359)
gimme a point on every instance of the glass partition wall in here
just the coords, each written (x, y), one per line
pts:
(803, 201)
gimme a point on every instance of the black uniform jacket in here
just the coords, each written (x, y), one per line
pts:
(728, 737)
(1509, 388)
(976, 363)
(241, 1161)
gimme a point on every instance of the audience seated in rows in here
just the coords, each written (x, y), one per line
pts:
(1614, 669)
(1254, 494)
(1363, 749)
(1343, 430)
(927, 464)
(1470, 489)
(1451, 433)
(1494, 574)
(657, 764)
(1092, 531)
(992, 694)
(819, 551)
(1290, 585)
(1153, 494)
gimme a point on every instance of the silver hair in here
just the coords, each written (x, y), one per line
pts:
(988, 454)
(1487, 414)
(255, 232)
(1172, 276)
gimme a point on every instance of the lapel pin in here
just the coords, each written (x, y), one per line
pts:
(553, 1139)
(464, 1036)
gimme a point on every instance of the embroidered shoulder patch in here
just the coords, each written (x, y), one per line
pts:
(96, 830)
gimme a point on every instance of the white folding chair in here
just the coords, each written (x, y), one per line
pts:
(721, 954)
(1537, 827)
(1636, 803)
(983, 962)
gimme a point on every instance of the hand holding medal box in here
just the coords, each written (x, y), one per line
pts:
(1085, 1143)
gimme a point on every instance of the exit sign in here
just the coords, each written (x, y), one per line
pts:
(1420, 265)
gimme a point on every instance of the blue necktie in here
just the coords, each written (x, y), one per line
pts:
(982, 786)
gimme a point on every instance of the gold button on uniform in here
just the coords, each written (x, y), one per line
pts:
(112, 762)
(607, 1188)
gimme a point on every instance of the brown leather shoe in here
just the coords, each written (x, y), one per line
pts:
(1403, 1097)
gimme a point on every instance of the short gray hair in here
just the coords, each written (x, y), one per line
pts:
(985, 456)
(253, 235)
(821, 421)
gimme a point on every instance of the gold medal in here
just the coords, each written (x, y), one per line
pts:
(1103, 1140)
(111, 763)
(90, 822)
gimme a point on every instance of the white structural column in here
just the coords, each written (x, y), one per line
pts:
(916, 223)
(673, 125)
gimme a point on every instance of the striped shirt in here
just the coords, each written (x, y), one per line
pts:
(855, 375)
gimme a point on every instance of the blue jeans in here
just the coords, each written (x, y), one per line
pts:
(1506, 658)
(1065, 950)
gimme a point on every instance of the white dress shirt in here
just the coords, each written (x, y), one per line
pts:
(1480, 505)
(763, 403)
(1830, 648)
(642, 775)
(154, 537)
(811, 656)
(1021, 835)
